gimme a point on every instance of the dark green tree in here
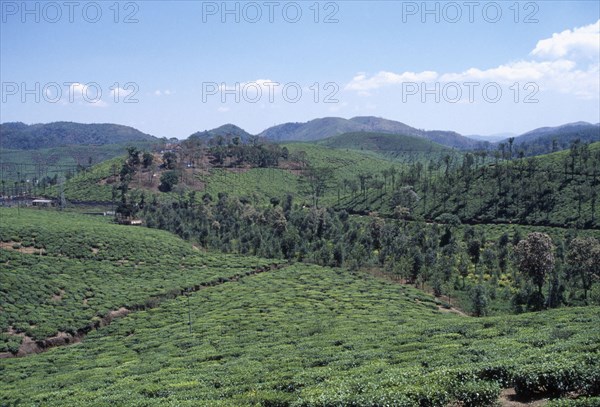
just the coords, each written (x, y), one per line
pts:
(147, 159)
(480, 300)
(583, 258)
(168, 180)
(169, 160)
(314, 181)
(535, 257)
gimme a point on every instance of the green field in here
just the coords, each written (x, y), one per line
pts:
(312, 336)
(300, 335)
(261, 183)
(20, 165)
(62, 272)
(389, 146)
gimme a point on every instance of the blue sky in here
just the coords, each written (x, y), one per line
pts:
(473, 67)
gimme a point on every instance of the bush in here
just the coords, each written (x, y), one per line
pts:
(168, 180)
(477, 393)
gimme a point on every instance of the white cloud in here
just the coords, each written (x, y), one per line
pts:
(165, 92)
(512, 72)
(579, 42)
(223, 109)
(363, 84)
(85, 95)
(566, 69)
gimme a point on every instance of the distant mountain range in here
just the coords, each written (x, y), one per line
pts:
(492, 137)
(373, 129)
(20, 136)
(548, 139)
(318, 129)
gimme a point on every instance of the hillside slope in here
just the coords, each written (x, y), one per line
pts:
(20, 136)
(308, 336)
(226, 131)
(385, 144)
(62, 271)
(558, 189)
(318, 129)
(551, 139)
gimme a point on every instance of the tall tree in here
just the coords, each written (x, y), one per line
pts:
(315, 181)
(584, 259)
(535, 257)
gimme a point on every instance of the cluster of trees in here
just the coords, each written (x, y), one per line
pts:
(136, 160)
(442, 254)
(36, 180)
(449, 258)
(232, 151)
(486, 187)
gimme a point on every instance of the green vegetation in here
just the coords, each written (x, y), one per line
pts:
(559, 189)
(448, 258)
(35, 157)
(552, 139)
(61, 271)
(99, 183)
(20, 136)
(388, 145)
(311, 336)
(326, 334)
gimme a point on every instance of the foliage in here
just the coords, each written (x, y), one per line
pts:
(584, 259)
(60, 134)
(68, 269)
(168, 180)
(312, 336)
(535, 256)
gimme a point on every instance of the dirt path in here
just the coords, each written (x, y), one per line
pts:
(31, 346)
(508, 398)
(452, 310)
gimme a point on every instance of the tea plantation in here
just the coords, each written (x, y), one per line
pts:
(297, 335)
(62, 272)
(311, 336)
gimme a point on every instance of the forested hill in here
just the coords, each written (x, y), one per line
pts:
(551, 139)
(321, 128)
(559, 189)
(226, 131)
(20, 136)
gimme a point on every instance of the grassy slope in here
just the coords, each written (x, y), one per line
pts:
(565, 206)
(57, 160)
(386, 144)
(90, 266)
(310, 336)
(264, 182)
(348, 164)
(87, 186)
